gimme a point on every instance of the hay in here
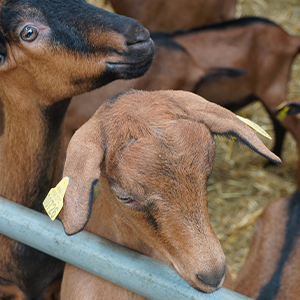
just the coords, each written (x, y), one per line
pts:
(240, 188)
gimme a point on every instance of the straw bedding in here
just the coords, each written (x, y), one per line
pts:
(240, 188)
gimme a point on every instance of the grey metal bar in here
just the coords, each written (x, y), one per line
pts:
(139, 273)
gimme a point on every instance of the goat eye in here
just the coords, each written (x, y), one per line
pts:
(126, 199)
(29, 33)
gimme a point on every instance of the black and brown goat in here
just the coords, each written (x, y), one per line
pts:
(49, 52)
(271, 271)
(231, 63)
(154, 152)
(166, 15)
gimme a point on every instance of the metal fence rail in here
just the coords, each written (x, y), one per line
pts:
(136, 272)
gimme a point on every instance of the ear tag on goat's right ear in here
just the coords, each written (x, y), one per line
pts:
(254, 126)
(53, 203)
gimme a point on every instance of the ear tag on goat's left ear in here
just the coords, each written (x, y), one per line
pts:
(53, 203)
(254, 126)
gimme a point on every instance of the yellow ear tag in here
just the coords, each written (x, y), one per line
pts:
(254, 126)
(283, 113)
(53, 203)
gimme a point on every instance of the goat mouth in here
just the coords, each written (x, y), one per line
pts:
(127, 70)
(135, 62)
(198, 284)
(206, 287)
(127, 64)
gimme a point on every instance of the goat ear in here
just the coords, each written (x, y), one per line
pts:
(84, 156)
(288, 108)
(222, 121)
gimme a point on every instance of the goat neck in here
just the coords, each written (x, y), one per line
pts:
(31, 158)
(30, 164)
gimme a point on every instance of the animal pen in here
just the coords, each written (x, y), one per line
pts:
(239, 190)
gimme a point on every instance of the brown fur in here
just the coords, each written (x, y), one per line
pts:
(166, 15)
(265, 61)
(157, 149)
(265, 251)
(35, 77)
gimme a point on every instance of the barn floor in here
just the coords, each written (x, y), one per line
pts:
(240, 188)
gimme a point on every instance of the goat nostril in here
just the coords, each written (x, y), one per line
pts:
(213, 280)
(137, 34)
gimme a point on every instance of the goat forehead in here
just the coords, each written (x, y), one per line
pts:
(181, 152)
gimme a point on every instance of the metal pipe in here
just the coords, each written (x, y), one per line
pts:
(131, 270)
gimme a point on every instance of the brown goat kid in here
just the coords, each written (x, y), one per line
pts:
(271, 271)
(154, 151)
(49, 52)
(166, 15)
(232, 63)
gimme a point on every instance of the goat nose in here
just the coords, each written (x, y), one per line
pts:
(213, 279)
(136, 34)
